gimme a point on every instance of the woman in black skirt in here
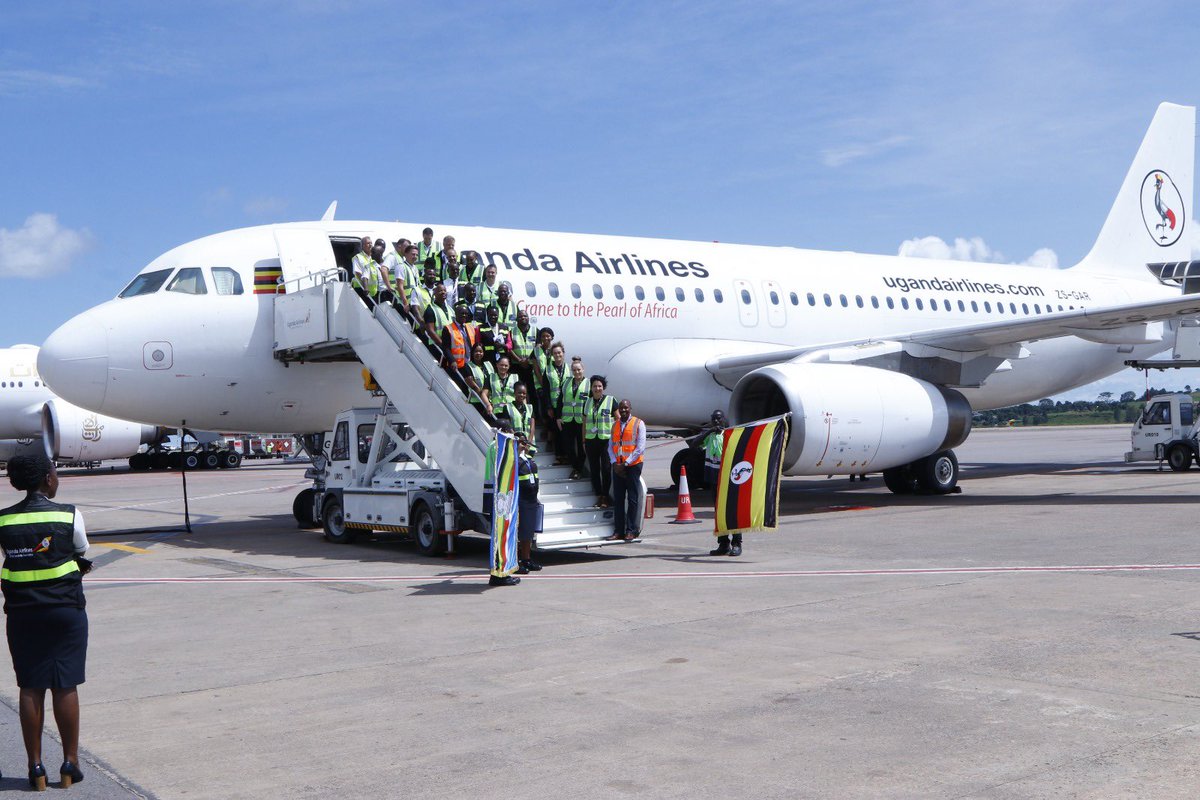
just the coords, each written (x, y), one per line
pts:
(43, 545)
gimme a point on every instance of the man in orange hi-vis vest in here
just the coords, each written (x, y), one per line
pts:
(626, 447)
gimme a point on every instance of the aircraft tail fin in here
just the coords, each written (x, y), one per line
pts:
(329, 212)
(1149, 220)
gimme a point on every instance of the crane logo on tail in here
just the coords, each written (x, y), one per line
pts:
(1162, 208)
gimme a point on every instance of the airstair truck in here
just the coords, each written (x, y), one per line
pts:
(1165, 432)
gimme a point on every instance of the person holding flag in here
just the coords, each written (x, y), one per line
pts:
(748, 481)
(500, 475)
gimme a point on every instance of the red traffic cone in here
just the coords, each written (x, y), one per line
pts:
(684, 513)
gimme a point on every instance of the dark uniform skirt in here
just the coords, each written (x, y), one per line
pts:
(48, 646)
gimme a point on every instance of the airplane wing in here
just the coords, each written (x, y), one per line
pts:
(984, 343)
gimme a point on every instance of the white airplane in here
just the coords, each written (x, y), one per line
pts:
(28, 409)
(879, 359)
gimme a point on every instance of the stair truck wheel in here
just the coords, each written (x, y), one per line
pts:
(334, 521)
(209, 461)
(302, 509)
(427, 530)
(1179, 458)
(938, 473)
(231, 459)
(191, 461)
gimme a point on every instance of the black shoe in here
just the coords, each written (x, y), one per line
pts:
(722, 550)
(37, 778)
(531, 566)
(736, 550)
(495, 580)
(522, 567)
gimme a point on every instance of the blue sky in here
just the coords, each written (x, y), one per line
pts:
(130, 128)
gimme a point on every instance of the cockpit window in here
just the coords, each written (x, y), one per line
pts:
(190, 280)
(226, 280)
(146, 283)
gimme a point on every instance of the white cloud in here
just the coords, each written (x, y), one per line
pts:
(40, 247)
(840, 156)
(973, 249)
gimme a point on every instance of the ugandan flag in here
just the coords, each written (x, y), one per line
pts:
(748, 483)
(501, 473)
(266, 279)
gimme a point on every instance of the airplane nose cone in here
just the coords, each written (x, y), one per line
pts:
(74, 362)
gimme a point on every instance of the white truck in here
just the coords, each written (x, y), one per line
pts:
(1166, 432)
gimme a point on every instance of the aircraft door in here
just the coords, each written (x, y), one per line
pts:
(302, 253)
(773, 300)
(747, 303)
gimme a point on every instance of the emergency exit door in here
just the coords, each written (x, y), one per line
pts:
(747, 303)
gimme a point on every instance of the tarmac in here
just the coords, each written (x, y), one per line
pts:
(1035, 636)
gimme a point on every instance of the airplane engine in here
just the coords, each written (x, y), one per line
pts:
(849, 419)
(73, 434)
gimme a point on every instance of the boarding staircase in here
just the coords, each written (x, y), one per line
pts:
(323, 319)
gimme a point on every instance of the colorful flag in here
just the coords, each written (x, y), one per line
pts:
(501, 473)
(266, 279)
(748, 482)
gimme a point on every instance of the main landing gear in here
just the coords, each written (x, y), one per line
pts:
(935, 474)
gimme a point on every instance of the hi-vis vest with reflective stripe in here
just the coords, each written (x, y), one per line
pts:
(500, 390)
(523, 343)
(572, 405)
(521, 422)
(624, 440)
(483, 375)
(597, 418)
(460, 346)
(370, 272)
(39, 564)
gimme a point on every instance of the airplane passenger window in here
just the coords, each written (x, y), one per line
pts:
(920, 306)
(946, 303)
(659, 293)
(597, 291)
(189, 280)
(874, 301)
(974, 306)
(619, 291)
(999, 308)
(1060, 308)
(961, 307)
(146, 283)
(1024, 308)
(812, 301)
(530, 289)
(1037, 309)
(858, 300)
(699, 295)
(745, 297)
(828, 300)
(720, 298)
(575, 291)
(226, 280)
(679, 293)
(795, 300)
(987, 306)
(842, 297)
(639, 292)
(554, 290)
(1012, 307)
(890, 303)
(904, 303)
(774, 297)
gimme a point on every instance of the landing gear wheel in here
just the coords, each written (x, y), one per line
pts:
(302, 509)
(335, 523)
(900, 480)
(428, 533)
(231, 459)
(938, 473)
(1179, 458)
(693, 459)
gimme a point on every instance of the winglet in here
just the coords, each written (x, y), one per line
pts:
(329, 212)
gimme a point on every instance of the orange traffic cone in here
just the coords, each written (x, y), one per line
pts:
(684, 513)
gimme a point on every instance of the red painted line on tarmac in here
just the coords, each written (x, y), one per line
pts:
(609, 576)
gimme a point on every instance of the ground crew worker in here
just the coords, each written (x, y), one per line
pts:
(520, 413)
(478, 376)
(428, 249)
(385, 293)
(472, 270)
(501, 384)
(529, 511)
(466, 296)
(597, 425)
(437, 316)
(487, 290)
(522, 340)
(367, 275)
(408, 274)
(450, 276)
(361, 257)
(508, 308)
(627, 445)
(541, 363)
(459, 339)
(447, 248)
(574, 389)
(43, 545)
(555, 377)
(493, 336)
